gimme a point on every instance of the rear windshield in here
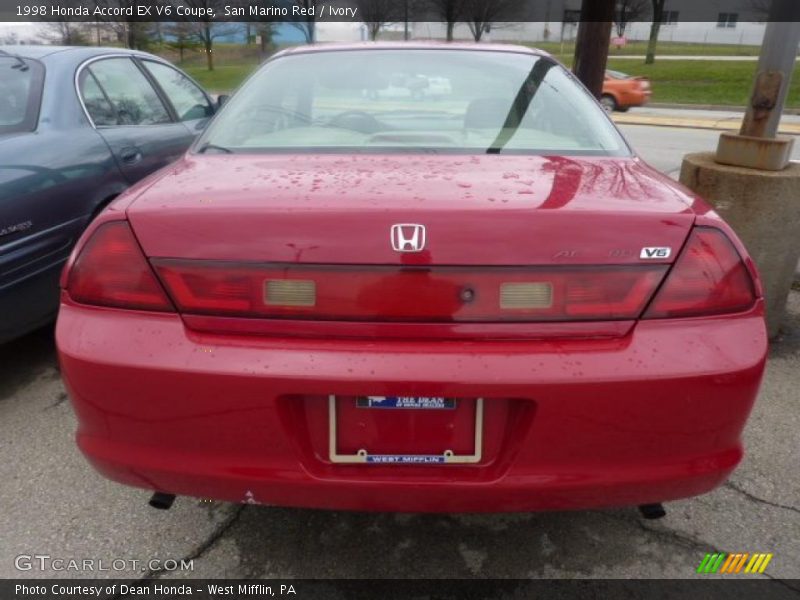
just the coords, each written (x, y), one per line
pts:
(20, 93)
(413, 101)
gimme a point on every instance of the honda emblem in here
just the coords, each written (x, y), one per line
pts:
(408, 237)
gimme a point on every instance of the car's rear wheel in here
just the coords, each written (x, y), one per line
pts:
(608, 103)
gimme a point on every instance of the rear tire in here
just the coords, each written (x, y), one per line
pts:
(608, 103)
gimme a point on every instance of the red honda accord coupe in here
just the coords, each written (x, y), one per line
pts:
(412, 278)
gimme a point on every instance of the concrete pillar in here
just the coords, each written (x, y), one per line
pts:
(763, 207)
(774, 71)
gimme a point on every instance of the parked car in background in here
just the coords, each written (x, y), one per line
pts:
(77, 127)
(621, 91)
(483, 303)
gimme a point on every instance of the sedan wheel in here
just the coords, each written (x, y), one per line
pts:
(608, 103)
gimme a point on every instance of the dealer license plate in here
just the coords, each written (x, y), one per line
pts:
(411, 402)
(362, 454)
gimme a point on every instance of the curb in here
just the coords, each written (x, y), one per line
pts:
(727, 124)
(728, 107)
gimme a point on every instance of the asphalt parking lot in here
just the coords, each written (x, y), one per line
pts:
(54, 504)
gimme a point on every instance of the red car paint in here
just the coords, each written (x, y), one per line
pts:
(577, 414)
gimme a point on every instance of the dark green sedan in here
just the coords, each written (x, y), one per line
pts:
(77, 127)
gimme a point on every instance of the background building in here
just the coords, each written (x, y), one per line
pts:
(706, 21)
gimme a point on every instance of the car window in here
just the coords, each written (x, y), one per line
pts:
(20, 93)
(189, 100)
(414, 101)
(95, 101)
(133, 99)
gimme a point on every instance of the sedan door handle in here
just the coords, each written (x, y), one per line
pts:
(130, 156)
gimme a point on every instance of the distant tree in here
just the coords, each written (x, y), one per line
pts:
(181, 36)
(307, 24)
(266, 31)
(481, 14)
(449, 12)
(140, 36)
(658, 17)
(377, 13)
(158, 32)
(628, 11)
(67, 33)
(207, 32)
(135, 34)
(405, 8)
(206, 29)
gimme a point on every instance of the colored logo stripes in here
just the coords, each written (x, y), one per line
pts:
(720, 562)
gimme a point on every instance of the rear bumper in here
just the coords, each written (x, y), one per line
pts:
(653, 416)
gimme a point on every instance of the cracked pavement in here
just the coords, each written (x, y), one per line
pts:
(54, 503)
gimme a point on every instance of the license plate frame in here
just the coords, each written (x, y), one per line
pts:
(362, 456)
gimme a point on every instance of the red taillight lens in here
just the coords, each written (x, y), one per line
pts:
(708, 278)
(421, 294)
(111, 270)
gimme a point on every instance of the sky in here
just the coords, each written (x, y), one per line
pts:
(286, 34)
(23, 30)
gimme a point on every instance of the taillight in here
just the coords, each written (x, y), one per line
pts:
(709, 277)
(421, 294)
(111, 270)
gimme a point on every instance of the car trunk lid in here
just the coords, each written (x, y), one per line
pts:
(488, 210)
(498, 242)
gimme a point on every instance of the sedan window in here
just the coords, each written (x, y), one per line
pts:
(414, 101)
(20, 93)
(189, 100)
(134, 100)
(97, 104)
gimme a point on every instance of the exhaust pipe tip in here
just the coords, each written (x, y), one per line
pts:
(652, 511)
(161, 500)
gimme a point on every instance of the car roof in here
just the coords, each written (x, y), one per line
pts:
(37, 52)
(413, 45)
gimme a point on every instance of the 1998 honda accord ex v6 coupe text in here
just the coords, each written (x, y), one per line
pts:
(412, 278)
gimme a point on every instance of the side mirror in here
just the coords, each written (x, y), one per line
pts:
(222, 99)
